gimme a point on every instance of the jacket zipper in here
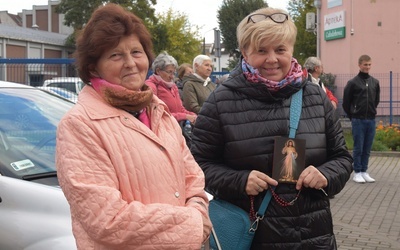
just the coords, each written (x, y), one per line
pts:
(366, 110)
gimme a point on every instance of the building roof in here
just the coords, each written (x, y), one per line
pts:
(32, 35)
(16, 18)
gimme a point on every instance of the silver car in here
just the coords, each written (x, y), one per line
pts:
(73, 84)
(34, 213)
(65, 93)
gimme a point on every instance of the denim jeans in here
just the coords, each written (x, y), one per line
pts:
(363, 135)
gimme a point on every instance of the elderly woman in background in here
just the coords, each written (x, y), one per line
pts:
(184, 70)
(233, 140)
(163, 86)
(198, 86)
(122, 161)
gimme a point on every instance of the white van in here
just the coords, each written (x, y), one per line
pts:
(74, 84)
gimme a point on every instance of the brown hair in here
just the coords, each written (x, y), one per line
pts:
(107, 25)
(182, 68)
(364, 58)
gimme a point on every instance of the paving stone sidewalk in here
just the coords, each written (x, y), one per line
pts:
(367, 216)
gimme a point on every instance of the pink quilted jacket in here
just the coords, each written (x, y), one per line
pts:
(129, 187)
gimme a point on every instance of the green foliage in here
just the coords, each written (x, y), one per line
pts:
(229, 16)
(306, 43)
(233, 62)
(349, 139)
(388, 135)
(387, 138)
(379, 146)
(174, 34)
(170, 31)
(329, 81)
(78, 12)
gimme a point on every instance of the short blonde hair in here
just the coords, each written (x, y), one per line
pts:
(251, 35)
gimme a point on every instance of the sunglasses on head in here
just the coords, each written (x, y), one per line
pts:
(276, 17)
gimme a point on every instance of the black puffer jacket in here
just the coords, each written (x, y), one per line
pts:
(234, 134)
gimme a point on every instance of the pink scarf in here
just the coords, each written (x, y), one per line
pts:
(133, 101)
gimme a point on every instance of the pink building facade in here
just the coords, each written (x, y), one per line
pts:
(350, 28)
(371, 27)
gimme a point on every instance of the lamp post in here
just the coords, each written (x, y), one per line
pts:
(217, 46)
(317, 4)
(204, 40)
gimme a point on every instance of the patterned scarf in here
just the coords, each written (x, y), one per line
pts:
(294, 77)
(133, 101)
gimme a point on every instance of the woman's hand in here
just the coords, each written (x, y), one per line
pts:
(257, 182)
(311, 177)
(191, 118)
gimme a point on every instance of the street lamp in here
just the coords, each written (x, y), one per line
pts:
(204, 40)
(317, 4)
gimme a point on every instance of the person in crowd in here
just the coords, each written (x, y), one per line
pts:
(123, 164)
(163, 86)
(233, 140)
(184, 69)
(198, 86)
(360, 99)
(315, 69)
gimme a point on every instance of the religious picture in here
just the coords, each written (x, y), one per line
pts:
(288, 159)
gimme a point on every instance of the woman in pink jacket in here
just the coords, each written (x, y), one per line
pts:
(122, 161)
(163, 86)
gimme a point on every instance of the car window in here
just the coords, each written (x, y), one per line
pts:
(28, 123)
(65, 85)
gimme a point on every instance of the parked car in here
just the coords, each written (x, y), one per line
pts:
(65, 93)
(74, 84)
(34, 212)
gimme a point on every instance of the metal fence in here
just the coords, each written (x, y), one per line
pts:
(35, 71)
(389, 106)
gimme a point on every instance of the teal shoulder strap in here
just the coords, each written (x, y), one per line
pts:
(295, 111)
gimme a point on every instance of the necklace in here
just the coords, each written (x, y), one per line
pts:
(281, 201)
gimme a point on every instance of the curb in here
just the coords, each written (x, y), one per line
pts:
(382, 153)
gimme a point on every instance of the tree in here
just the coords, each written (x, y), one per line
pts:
(78, 12)
(229, 16)
(170, 31)
(306, 41)
(174, 34)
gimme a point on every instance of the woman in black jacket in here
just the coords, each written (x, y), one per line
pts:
(233, 139)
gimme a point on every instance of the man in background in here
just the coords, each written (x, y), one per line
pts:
(360, 100)
(315, 69)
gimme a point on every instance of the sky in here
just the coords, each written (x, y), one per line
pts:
(201, 13)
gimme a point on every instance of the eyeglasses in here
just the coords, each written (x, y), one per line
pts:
(170, 72)
(276, 17)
